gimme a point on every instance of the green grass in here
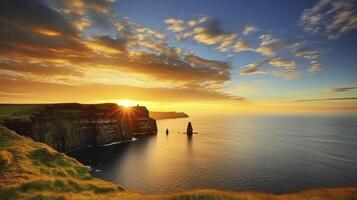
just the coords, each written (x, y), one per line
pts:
(60, 185)
(82, 173)
(5, 141)
(2, 164)
(19, 109)
(25, 109)
(58, 173)
(35, 186)
(9, 193)
(42, 156)
(101, 190)
(63, 186)
(56, 186)
(61, 167)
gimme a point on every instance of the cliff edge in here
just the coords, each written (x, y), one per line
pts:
(71, 126)
(168, 115)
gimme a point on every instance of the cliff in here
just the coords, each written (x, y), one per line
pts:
(33, 170)
(168, 115)
(29, 169)
(67, 127)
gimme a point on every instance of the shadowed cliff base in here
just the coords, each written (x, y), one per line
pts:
(33, 170)
(71, 126)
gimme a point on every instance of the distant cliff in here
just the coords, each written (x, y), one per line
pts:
(71, 126)
(168, 115)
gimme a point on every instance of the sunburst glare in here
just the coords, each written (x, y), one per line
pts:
(126, 103)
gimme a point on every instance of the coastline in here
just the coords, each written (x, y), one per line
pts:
(168, 115)
(30, 169)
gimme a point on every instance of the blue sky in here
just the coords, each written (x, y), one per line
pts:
(279, 18)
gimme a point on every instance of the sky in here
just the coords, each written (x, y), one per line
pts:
(194, 56)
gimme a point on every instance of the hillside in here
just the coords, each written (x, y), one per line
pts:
(33, 170)
(17, 109)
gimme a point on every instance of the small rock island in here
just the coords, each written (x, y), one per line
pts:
(189, 129)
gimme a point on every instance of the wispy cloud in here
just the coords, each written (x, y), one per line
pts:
(315, 66)
(74, 43)
(240, 46)
(341, 89)
(131, 46)
(70, 93)
(248, 29)
(328, 99)
(284, 68)
(175, 25)
(330, 18)
(283, 63)
(254, 68)
(306, 53)
(211, 33)
(265, 51)
(208, 31)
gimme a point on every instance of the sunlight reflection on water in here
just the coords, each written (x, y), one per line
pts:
(265, 153)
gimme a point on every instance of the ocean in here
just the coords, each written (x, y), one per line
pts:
(277, 154)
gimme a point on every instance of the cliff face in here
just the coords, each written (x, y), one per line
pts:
(68, 127)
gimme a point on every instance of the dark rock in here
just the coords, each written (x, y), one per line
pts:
(68, 127)
(189, 129)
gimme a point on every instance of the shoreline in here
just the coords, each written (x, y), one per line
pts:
(36, 158)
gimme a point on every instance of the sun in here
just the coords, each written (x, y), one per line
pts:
(126, 103)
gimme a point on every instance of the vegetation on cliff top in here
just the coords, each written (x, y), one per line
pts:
(32, 170)
(12, 109)
(168, 115)
(27, 109)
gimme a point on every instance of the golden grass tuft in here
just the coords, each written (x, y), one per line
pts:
(28, 168)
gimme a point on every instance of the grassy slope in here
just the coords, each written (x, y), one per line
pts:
(32, 170)
(10, 109)
(25, 109)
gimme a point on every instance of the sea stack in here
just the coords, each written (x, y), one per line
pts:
(189, 129)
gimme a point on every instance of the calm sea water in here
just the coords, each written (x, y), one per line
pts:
(264, 153)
